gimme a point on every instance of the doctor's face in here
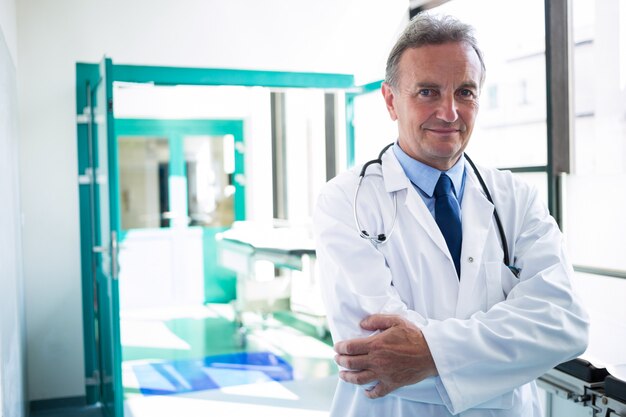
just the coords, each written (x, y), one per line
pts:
(435, 101)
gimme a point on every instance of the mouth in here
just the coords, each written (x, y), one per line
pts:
(443, 130)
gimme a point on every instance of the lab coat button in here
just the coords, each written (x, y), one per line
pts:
(470, 259)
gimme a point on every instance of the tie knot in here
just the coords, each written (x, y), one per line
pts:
(444, 186)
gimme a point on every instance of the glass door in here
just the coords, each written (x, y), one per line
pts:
(106, 229)
(181, 182)
(215, 182)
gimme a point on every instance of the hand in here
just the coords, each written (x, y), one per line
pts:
(395, 357)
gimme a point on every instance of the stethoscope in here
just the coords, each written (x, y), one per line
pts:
(382, 238)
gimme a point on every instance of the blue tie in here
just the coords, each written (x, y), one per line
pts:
(448, 218)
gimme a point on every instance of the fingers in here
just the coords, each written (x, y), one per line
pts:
(398, 355)
(380, 390)
(353, 347)
(374, 322)
(353, 363)
(358, 377)
(381, 321)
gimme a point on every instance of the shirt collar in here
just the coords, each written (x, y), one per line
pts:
(424, 176)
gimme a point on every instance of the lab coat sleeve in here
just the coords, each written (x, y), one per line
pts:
(540, 324)
(351, 290)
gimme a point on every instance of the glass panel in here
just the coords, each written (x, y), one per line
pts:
(107, 300)
(595, 201)
(511, 127)
(144, 182)
(102, 176)
(305, 151)
(105, 334)
(210, 164)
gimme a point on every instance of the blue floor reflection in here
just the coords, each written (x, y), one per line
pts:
(180, 376)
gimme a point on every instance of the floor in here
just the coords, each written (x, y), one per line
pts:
(191, 360)
(197, 361)
(83, 411)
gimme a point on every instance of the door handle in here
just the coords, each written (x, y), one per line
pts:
(114, 251)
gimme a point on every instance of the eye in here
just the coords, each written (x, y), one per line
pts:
(426, 92)
(467, 93)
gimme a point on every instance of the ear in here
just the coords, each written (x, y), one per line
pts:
(389, 100)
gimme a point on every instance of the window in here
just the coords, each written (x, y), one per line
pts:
(511, 129)
(491, 94)
(523, 93)
(595, 201)
(305, 151)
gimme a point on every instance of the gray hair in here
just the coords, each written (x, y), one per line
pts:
(425, 29)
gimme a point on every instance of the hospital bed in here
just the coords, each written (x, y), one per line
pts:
(578, 388)
(594, 384)
(276, 271)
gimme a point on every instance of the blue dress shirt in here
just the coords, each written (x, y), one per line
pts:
(425, 177)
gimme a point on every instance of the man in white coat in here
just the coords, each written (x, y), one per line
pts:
(431, 321)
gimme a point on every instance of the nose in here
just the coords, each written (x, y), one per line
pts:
(447, 109)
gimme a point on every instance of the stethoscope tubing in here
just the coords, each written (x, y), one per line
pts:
(383, 238)
(505, 246)
(380, 238)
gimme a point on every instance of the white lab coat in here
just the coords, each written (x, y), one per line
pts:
(490, 333)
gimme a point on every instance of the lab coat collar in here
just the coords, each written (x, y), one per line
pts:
(393, 174)
(396, 181)
(476, 215)
(426, 177)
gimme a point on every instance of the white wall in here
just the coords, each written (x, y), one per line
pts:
(345, 36)
(12, 398)
(8, 25)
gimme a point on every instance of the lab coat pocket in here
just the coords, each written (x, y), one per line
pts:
(494, 279)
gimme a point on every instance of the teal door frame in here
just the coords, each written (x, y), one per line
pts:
(87, 76)
(350, 96)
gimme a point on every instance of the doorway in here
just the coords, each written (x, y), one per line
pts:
(153, 189)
